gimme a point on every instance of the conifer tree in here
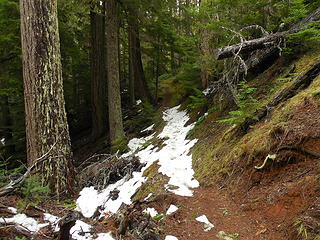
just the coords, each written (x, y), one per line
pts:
(46, 122)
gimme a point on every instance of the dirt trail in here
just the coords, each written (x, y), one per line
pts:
(267, 208)
(223, 212)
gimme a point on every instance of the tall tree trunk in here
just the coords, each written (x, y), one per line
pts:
(205, 49)
(135, 49)
(114, 99)
(98, 74)
(131, 72)
(158, 67)
(47, 130)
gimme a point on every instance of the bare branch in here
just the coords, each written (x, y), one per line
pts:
(13, 184)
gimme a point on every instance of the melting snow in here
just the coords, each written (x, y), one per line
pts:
(26, 222)
(104, 236)
(81, 231)
(13, 210)
(171, 209)
(174, 161)
(207, 225)
(151, 211)
(169, 237)
(148, 128)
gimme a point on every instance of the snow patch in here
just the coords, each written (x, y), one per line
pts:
(151, 211)
(81, 231)
(173, 158)
(13, 210)
(169, 237)
(171, 209)
(148, 128)
(149, 196)
(104, 236)
(207, 91)
(28, 223)
(207, 225)
(51, 218)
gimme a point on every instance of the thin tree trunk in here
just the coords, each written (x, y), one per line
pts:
(46, 122)
(114, 99)
(98, 74)
(131, 71)
(5, 124)
(205, 48)
(158, 67)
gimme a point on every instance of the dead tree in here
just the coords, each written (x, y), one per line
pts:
(266, 41)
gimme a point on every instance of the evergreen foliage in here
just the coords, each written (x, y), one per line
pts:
(171, 35)
(247, 105)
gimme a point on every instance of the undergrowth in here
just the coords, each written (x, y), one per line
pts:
(33, 192)
(247, 105)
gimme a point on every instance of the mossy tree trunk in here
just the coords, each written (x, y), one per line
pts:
(114, 99)
(98, 72)
(46, 121)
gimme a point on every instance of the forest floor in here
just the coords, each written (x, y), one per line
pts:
(280, 201)
(265, 209)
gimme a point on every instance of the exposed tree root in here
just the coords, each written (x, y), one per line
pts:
(303, 151)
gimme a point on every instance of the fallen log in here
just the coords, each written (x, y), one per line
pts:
(259, 58)
(266, 41)
(300, 83)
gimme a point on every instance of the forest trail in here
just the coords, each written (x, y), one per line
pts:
(242, 215)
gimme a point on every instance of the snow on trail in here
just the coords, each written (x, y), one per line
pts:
(174, 161)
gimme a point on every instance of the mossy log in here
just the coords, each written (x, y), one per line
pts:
(266, 41)
(300, 83)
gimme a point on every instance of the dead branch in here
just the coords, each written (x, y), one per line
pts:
(14, 184)
(106, 169)
(266, 41)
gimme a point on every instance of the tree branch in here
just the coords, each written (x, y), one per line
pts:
(13, 184)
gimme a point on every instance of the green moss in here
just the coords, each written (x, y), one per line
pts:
(218, 154)
(154, 183)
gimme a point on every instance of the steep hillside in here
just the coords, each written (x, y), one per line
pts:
(271, 169)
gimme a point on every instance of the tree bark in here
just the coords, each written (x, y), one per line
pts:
(46, 121)
(98, 73)
(263, 42)
(205, 49)
(114, 99)
(131, 72)
(139, 78)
